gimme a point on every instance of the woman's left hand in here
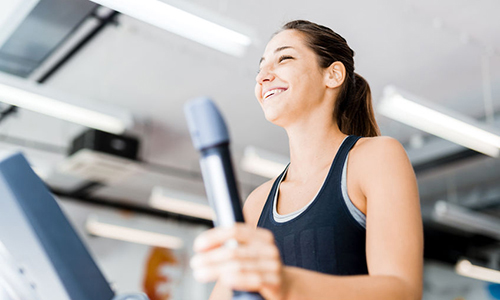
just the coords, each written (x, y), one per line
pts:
(254, 265)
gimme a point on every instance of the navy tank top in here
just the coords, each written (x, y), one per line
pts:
(325, 237)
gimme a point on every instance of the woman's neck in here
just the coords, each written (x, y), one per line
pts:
(313, 146)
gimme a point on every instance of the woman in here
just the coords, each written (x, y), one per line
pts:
(316, 222)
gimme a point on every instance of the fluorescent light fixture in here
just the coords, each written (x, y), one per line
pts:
(439, 121)
(262, 162)
(467, 269)
(180, 203)
(41, 99)
(186, 20)
(95, 227)
(12, 13)
(465, 219)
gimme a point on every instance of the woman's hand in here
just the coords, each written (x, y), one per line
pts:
(254, 265)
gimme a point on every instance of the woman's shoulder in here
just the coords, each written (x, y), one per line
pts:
(378, 141)
(380, 157)
(378, 147)
(372, 155)
(255, 202)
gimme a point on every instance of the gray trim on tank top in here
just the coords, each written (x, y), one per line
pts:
(358, 215)
(355, 212)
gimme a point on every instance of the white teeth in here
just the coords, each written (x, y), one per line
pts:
(273, 92)
(268, 93)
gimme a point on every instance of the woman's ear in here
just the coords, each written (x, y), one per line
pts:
(335, 74)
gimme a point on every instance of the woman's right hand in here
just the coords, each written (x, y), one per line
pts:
(254, 265)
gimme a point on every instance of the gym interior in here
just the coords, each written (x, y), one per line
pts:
(93, 95)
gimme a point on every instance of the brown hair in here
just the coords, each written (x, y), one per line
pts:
(353, 108)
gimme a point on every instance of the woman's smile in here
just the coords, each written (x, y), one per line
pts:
(273, 92)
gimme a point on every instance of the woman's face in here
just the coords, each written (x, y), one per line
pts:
(290, 84)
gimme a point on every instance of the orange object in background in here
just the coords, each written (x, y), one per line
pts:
(157, 284)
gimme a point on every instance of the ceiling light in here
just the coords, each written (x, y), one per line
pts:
(95, 227)
(439, 121)
(180, 203)
(12, 13)
(30, 96)
(466, 268)
(465, 219)
(262, 162)
(191, 22)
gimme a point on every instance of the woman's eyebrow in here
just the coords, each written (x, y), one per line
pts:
(282, 48)
(276, 51)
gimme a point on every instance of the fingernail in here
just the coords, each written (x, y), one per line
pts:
(200, 244)
(194, 262)
(200, 276)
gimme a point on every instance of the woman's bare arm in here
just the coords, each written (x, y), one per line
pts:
(394, 241)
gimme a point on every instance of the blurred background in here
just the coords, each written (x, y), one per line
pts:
(94, 98)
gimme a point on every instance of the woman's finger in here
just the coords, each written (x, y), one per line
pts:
(207, 274)
(269, 266)
(255, 252)
(213, 272)
(241, 232)
(224, 254)
(248, 280)
(251, 282)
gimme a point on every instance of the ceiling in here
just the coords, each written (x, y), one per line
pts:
(433, 49)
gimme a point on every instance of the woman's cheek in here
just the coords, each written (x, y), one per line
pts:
(258, 92)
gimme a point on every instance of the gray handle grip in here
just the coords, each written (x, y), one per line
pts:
(210, 136)
(205, 122)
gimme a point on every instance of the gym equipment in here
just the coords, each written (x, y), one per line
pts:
(211, 138)
(41, 256)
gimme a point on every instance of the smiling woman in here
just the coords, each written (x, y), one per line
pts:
(347, 203)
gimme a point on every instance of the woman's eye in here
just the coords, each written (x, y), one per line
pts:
(284, 57)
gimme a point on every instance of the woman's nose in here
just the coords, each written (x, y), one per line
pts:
(264, 75)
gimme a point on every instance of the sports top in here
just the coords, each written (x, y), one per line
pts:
(328, 234)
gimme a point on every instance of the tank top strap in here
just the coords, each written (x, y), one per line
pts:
(267, 209)
(280, 177)
(341, 156)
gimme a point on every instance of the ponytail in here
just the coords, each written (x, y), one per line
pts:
(353, 107)
(354, 110)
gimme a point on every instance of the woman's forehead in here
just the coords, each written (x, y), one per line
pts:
(291, 38)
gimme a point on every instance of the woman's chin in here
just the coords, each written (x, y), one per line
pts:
(274, 117)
